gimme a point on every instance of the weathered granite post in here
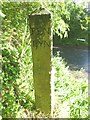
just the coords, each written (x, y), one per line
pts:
(40, 31)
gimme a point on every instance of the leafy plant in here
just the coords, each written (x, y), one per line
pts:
(17, 77)
(78, 21)
(71, 92)
(17, 82)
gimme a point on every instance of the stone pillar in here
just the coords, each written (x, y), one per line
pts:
(40, 31)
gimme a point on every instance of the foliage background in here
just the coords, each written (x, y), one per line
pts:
(17, 81)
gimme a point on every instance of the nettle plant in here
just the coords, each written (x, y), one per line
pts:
(71, 92)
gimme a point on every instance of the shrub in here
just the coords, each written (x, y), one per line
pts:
(17, 81)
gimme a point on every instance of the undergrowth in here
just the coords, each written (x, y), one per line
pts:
(18, 100)
(71, 92)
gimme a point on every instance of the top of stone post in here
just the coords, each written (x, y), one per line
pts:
(40, 11)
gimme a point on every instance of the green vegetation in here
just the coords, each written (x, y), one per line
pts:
(71, 91)
(18, 99)
(75, 28)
